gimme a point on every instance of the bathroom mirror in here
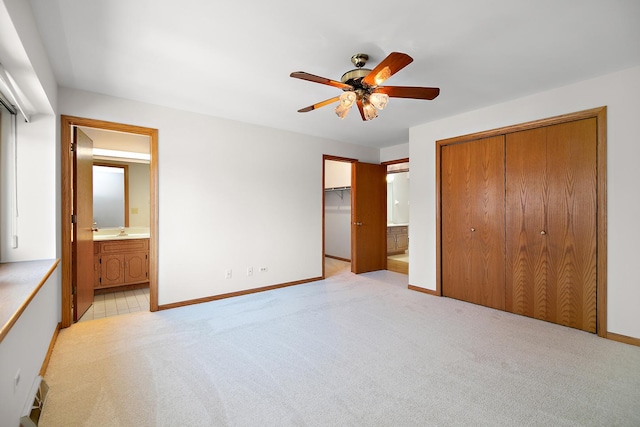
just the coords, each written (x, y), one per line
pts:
(110, 195)
(398, 198)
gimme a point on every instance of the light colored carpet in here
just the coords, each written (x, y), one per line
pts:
(347, 351)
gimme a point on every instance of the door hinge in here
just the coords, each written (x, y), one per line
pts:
(73, 146)
(74, 218)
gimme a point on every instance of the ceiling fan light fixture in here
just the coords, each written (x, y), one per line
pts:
(362, 86)
(379, 100)
(347, 98)
(342, 111)
(369, 110)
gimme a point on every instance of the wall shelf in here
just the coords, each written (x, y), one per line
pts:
(341, 191)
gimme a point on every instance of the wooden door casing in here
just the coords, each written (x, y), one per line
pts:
(472, 194)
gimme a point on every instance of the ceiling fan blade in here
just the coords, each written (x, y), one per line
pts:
(322, 80)
(319, 104)
(390, 65)
(409, 92)
(361, 109)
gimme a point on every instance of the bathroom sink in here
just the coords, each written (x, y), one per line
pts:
(118, 236)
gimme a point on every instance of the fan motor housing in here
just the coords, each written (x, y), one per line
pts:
(353, 77)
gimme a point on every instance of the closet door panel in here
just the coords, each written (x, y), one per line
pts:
(527, 250)
(571, 157)
(472, 177)
(456, 215)
(488, 221)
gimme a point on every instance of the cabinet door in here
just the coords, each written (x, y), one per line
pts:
(96, 271)
(402, 241)
(472, 185)
(112, 269)
(391, 242)
(136, 269)
(551, 223)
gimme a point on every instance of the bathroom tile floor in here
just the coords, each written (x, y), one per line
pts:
(117, 303)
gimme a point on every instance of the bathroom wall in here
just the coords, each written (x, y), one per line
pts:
(139, 200)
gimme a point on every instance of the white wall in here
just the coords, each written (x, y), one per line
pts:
(620, 92)
(38, 229)
(25, 347)
(232, 196)
(395, 152)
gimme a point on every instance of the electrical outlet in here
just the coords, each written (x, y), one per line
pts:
(227, 274)
(249, 271)
(263, 269)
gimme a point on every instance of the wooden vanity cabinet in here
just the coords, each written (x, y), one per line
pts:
(397, 239)
(121, 262)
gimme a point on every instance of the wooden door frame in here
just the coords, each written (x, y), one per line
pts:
(67, 205)
(600, 114)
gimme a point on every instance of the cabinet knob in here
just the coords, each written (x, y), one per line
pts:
(543, 232)
(473, 229)
(357, 223)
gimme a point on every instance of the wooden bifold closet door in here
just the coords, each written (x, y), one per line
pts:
(473, 221)
(551, 223)
(519, 221)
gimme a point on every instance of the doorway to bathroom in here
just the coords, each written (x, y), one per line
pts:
(398, 216)
(79, 226)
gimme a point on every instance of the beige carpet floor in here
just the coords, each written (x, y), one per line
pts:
(347, 351)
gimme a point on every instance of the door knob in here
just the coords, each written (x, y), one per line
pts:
(473, 229)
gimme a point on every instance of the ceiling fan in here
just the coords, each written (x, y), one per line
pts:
(361, 86)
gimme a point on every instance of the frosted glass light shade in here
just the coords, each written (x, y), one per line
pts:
(347, 99)
(370, 111)
(342, 111)
(379, 100)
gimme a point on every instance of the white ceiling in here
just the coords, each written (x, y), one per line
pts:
(233, 59)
